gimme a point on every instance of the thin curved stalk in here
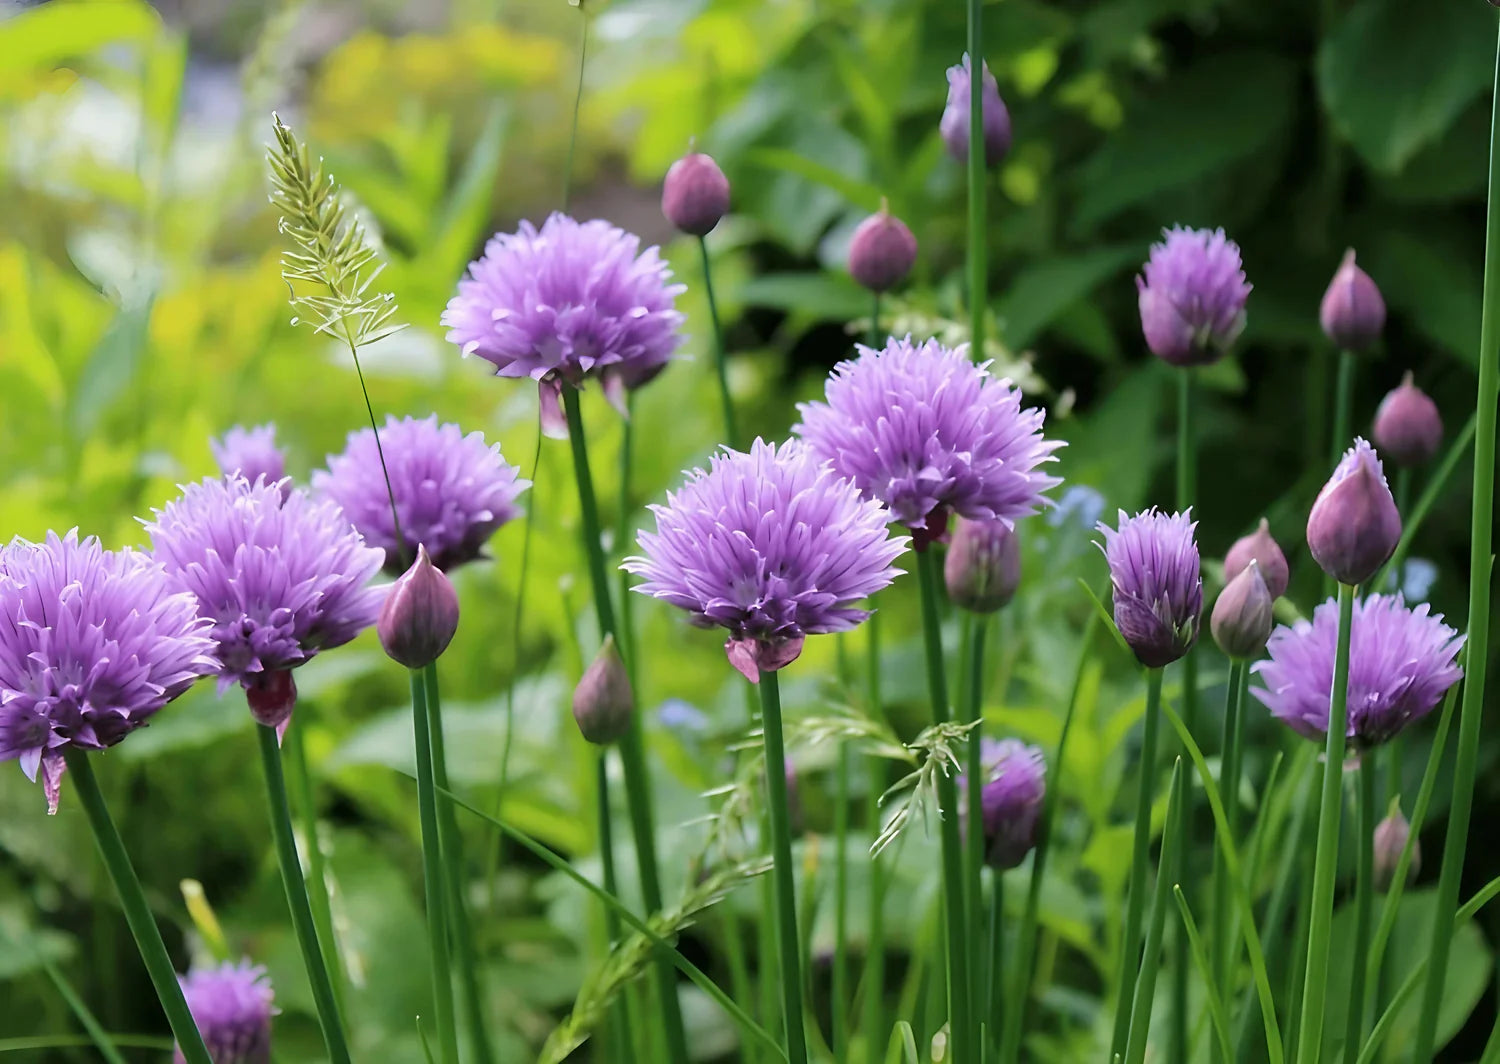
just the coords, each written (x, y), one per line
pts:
(1140, 862)
(976, 628)
(1480, 562)
(721, 356)
(1187, 495)
(1205, 972)
(1343, 401)
(1325, 865)
(1229, 773)
(622, 1036)
(1145, 984)
(317, 875)
(959, 994)
(874, 978)
(840, 989)
(583, 55)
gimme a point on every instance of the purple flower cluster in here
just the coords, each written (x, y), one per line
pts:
(92, 643)
(565, 303)
(252, 453)
(1401, 661)
(1158, 589)
(1192, 295)
(232, 1006)
(925, 431)
(772, 546)
(279, 579)
(452, 491)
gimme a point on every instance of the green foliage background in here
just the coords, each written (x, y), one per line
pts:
(141, 312)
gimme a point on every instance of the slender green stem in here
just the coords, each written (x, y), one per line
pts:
(622, 537)
(783, 877)
(1205, 970)
(959, 997)
(1187, 494)
(739, 968)
(1145, 984)
(977, 629)
(874, 979)
(1222, 943)
(1364, 892)
(840, 1003)
(142, 926)
(623, 1038)
(993, 1004)
(1325, 867)
(317, 875)
(873, 340)
(632, 746)
(583, 55)
(1343, 402)
(721, 356)
(1410, 523)
(401, 545)
(434, 881)
(1403, 490)
(978, 268)
(1480, 561)
(1140, 861)
(768, 965)
(1010, 1034)
(296, 897)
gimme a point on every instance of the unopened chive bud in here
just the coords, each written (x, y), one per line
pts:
(603, 702)
(1259, 547)
(983, 567)
(1389, 842)
(420, 614)
(954, 125)
(1353, 311)
(1242, 618)
(695, 194)
(882, 251)
(1354, 526)
(1408, 428)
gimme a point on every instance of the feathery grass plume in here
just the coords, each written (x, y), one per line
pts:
(935, 750)
(332, 268)
(630, 960)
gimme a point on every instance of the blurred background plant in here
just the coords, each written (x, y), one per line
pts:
(141, 312)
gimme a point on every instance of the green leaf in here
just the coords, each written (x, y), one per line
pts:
(1430, 278)
(860, 193)
(51, 33)
(1393, 83)
(1046, 288)
(821, 295)
(111, 367)
(1200, 121)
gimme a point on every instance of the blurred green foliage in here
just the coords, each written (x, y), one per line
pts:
(141, 312)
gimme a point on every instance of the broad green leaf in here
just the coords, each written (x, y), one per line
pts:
(1393, 83)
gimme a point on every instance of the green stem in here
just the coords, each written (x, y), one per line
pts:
(1472, 711)
(1325, 866)
(434, 882)
(959, 998)
(1145, 985)
(452, 849)
(1222, 943)
(317, 873)
(623, 1038)
(873, 340)
(994, 998)
(785, 882)
(978, 272)
(1140, 861)
(137, 914)
(840, 1003)
(739, 969)
(296, 897)
(390, 494)
(1343, 401)
(632, 746)
(583, 54)
(1364, 892)
(977, 630)
(721, 356)
(1187, 494)
(1010, 1044)
(874, 978)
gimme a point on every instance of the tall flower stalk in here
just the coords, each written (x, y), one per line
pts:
(1480, 576)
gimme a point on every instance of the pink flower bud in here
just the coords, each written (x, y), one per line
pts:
(1354, 526)
(272, 697)
(695, 194)
(1390, 839)
(603, 702)
(983, 567)
(1408, 428)
(1353, 312)
(1259, 547)
(882, 251)
(1242, 619)
(420, 614)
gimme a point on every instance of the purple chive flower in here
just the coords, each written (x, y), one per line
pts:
(695, 194)
(771, 545)
(882, 251)
(954, 125)
(1354, 525)
(1158, 592)
(232, 1006)
(1352, 312)
(1259, 547)
(452, 490)
(1401, 661)
(1010, 799)
(251, 453)
(280, 580)
(1192, 295)
(925, 431)
(92, 643)
(1408, 428)
(566, 303)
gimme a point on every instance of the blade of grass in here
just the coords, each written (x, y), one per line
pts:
(1145, 983)
(1206, 973)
